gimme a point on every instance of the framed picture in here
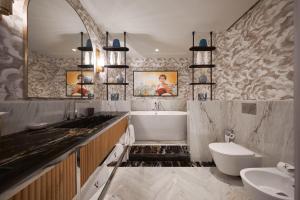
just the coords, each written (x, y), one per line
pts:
(79, 84)
(155, 83)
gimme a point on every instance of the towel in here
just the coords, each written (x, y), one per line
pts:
(131, 134)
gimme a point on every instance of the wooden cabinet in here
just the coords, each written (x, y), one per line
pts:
(59, 183)
(94, 153)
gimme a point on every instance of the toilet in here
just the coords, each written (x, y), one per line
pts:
(231, 158)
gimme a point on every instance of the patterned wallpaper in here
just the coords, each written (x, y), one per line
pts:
(11, 54)
(159, 64)
(255, 57)
(47, 75)
(148, 64)
(96, 34)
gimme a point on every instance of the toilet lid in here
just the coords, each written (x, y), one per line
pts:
(230, 149)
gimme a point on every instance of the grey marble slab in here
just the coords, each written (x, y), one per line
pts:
(103, 106)
(270, 132)
(22, 113)
(205, 124)
(165, 105)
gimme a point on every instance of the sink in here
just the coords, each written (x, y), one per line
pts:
(89, 122)
(268, 184)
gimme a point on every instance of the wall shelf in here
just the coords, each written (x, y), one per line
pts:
(195, 48)
(116, 83)
(116, 66)
(83, 66)
(85, 48)
(124, 66)
(202, 83)
(85, 83)
(202, 66)
(115, 48)
(86, 66)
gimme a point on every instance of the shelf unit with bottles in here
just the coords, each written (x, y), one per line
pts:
(124, 66)
(83, 65)
(209, 66)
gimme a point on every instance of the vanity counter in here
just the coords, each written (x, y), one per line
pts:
(26, 154)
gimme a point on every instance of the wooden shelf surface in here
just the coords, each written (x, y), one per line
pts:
(202, 66)
(116, 48)
(202, 83)
(116, 83)
(197, 48)
(117, 66)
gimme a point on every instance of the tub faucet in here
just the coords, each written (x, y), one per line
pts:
(156, 106)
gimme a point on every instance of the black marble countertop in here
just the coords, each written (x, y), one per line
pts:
(25, 153)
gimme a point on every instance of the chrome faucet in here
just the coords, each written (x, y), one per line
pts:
(286, 168)
(156, 106)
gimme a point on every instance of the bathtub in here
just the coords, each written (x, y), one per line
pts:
(159, 125)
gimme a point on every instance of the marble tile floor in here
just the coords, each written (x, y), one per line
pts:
(159, 153)
(160, 164)
(160, 156)
(174, 183)
(156, 142)
(162, 150)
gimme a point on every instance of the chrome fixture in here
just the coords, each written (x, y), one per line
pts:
(6, 7)
(156, 106)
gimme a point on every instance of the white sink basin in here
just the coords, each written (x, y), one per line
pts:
(268, 184)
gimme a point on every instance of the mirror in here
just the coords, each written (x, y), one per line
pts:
(55, 32)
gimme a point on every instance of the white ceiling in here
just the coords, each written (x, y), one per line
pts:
(165, 24)
(53, 27)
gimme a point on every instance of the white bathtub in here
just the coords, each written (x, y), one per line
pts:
(159, 125)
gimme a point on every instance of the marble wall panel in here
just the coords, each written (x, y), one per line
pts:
(270, 132)
(164, 105)
(103, 106)
(205, 123)
(22, 113)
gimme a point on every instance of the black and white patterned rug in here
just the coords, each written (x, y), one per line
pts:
(161, 156)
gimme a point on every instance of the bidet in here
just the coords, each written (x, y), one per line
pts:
(268, 184)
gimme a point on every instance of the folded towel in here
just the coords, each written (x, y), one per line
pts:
(131, 134)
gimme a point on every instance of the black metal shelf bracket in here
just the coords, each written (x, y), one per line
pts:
(125, 66)
(210, 66)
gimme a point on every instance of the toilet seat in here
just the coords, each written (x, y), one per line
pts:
(231, 158)
(231, 149)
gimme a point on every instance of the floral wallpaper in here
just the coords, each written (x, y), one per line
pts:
(11, 54)
(255, 57)
(47, 75)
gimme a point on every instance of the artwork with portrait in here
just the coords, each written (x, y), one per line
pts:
(80, 84)
(155, 83)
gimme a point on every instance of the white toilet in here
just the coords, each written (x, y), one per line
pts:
(231, 158)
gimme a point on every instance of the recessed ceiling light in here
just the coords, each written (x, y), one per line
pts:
(156, 50)
(74, 50)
